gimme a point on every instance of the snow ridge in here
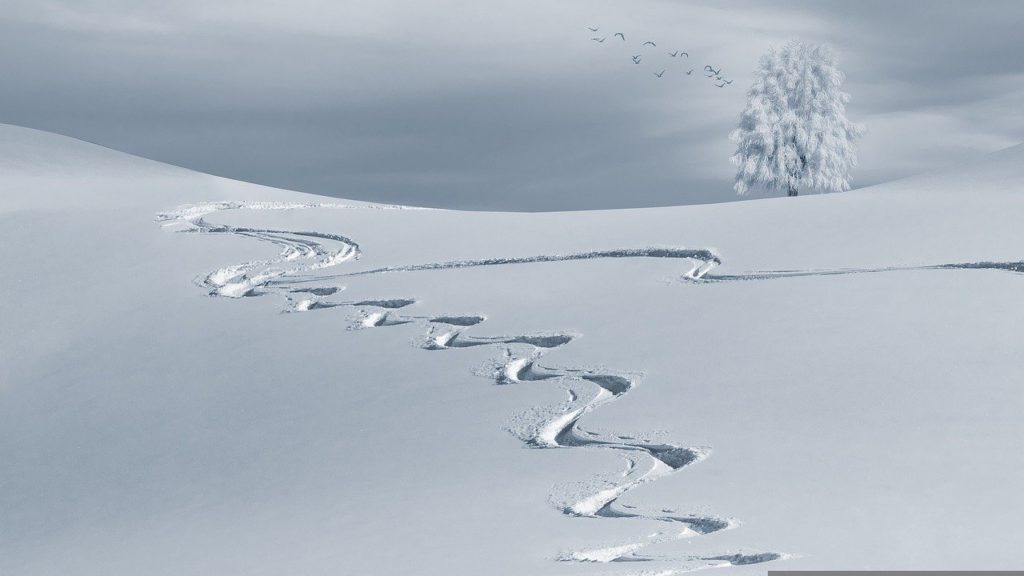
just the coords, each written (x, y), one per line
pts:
(588, 389)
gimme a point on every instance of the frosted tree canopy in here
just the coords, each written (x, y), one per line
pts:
(794, 134)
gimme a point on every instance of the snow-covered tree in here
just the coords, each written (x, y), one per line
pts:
(794, 134)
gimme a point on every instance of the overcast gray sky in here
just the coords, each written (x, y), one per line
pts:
(497, 104)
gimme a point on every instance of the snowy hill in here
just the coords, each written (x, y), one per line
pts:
(202, 376)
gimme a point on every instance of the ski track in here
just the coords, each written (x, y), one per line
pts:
(1015, 267)
(305, 252)
(707, 259)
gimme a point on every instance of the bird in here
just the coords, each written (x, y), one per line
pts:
(659, 74)
(713, 72)
(685, 54)
(593, 29)
(621, 35)
(598, 40)
(690, 71)
(637, 59)
(674, 54)
(726, 81)
(722, 85)
(649, 42)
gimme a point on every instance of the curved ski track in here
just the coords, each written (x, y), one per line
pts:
(304, 252)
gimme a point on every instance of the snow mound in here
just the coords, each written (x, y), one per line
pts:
(346, 415)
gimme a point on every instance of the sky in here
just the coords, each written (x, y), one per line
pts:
(502, 104)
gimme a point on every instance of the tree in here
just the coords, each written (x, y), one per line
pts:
(794, 134)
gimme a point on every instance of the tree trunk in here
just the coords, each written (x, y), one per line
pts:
(792, 191)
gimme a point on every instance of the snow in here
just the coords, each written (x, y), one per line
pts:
(609, 554)
(841, 389)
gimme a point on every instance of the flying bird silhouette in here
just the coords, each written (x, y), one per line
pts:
(722, 85)
(685, 54)
(659, 74)
(649, 42)
(674, 54)
(711, 71)
(690, 71)
(593, 29)
(621, 35)
(637, 59)
(598, 40)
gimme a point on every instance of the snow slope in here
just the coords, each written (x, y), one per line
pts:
(202, 376)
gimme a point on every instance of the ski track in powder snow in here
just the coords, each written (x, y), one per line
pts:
(293, 276)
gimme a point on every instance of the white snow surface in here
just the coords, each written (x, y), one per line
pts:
(203, 376)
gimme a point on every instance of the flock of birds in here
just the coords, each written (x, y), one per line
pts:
(710, 71)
